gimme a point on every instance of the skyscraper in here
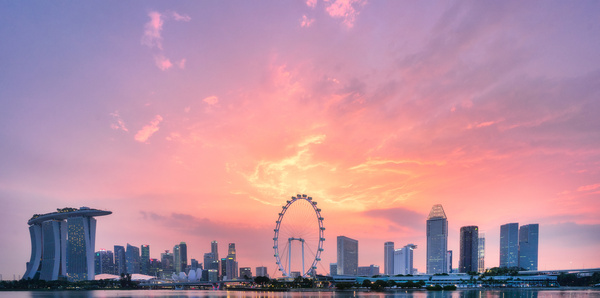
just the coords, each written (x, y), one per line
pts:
(214, 248)
(388, 258)
(332, 269)
(145, 260)
(132, 258)
(509, 245)
(481, 254)
(103, 262)
(183, 256)
(469, 242)
(231, 251)
(403, 260)
(62, 244)
(120, 260)
(437, 240)
(528, 246)
(347, 256)
(176, 259)
(231, 263)
(166, 262)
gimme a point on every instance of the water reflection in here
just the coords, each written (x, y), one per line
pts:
(504, 293)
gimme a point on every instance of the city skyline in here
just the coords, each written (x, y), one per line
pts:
(196, 121)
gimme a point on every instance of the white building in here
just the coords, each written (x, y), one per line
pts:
(403, 260)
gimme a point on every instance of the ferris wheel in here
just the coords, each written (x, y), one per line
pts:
(298, 240)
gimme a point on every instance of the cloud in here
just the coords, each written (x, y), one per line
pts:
(118, 123)
(147, 131)
(181, 63)
(162, 62)
(345, 9)
(589, 187)
(153, 37)
(152, 33)
(306, 22)
(211, 100)
(182, 18)
(400, 216)
(311, 3)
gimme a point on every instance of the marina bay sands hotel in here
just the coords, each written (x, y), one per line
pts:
(63, 244)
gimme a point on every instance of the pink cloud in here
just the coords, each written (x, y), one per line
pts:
(211, 100)
(311, 3)
(152, 36)
(118, 123)
(589, 187)
(147, 131)
(162, 62)
(346, 9)
(181, 63)
(306, 22)
(183, 18)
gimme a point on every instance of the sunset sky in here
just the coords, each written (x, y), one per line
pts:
(196, 120)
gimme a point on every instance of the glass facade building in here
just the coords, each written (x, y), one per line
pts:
(132, 259)
(347, 256)
(469, 252)
(528, 246)
(62, 244)
(509, 245)
(481, 254)
(437, 240)
(388, 258)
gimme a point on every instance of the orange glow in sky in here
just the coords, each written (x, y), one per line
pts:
(197, 121)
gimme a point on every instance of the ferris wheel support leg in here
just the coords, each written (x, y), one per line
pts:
(303, 257)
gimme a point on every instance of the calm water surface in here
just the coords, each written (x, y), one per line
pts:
(234, 294)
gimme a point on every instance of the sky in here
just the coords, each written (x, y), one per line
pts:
(196, 120)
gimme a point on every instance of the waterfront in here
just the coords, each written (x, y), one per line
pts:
(492, 293)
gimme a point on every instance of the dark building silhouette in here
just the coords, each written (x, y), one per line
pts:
(469, 253)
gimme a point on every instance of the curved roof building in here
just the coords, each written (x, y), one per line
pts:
(63, 244)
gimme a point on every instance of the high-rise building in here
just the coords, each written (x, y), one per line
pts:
(183, 256)
(145, 260)
(388, 258)
(449, 261)
(403, 260)
(166, 264)
(231, 251)
(194, 264)
(509, 245)
(528, 246)
(223, 264)
(231, 263)
(246, 273)
(132, 259)
(437, 240)
(210, 262)
(481, 254)
(176, 259)
(103, 262)
(62, 244)
(347, 256)
(120, 260)
(469, 253)
(262, 271)
(214, 248)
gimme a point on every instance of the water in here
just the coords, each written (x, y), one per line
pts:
(491, 293)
